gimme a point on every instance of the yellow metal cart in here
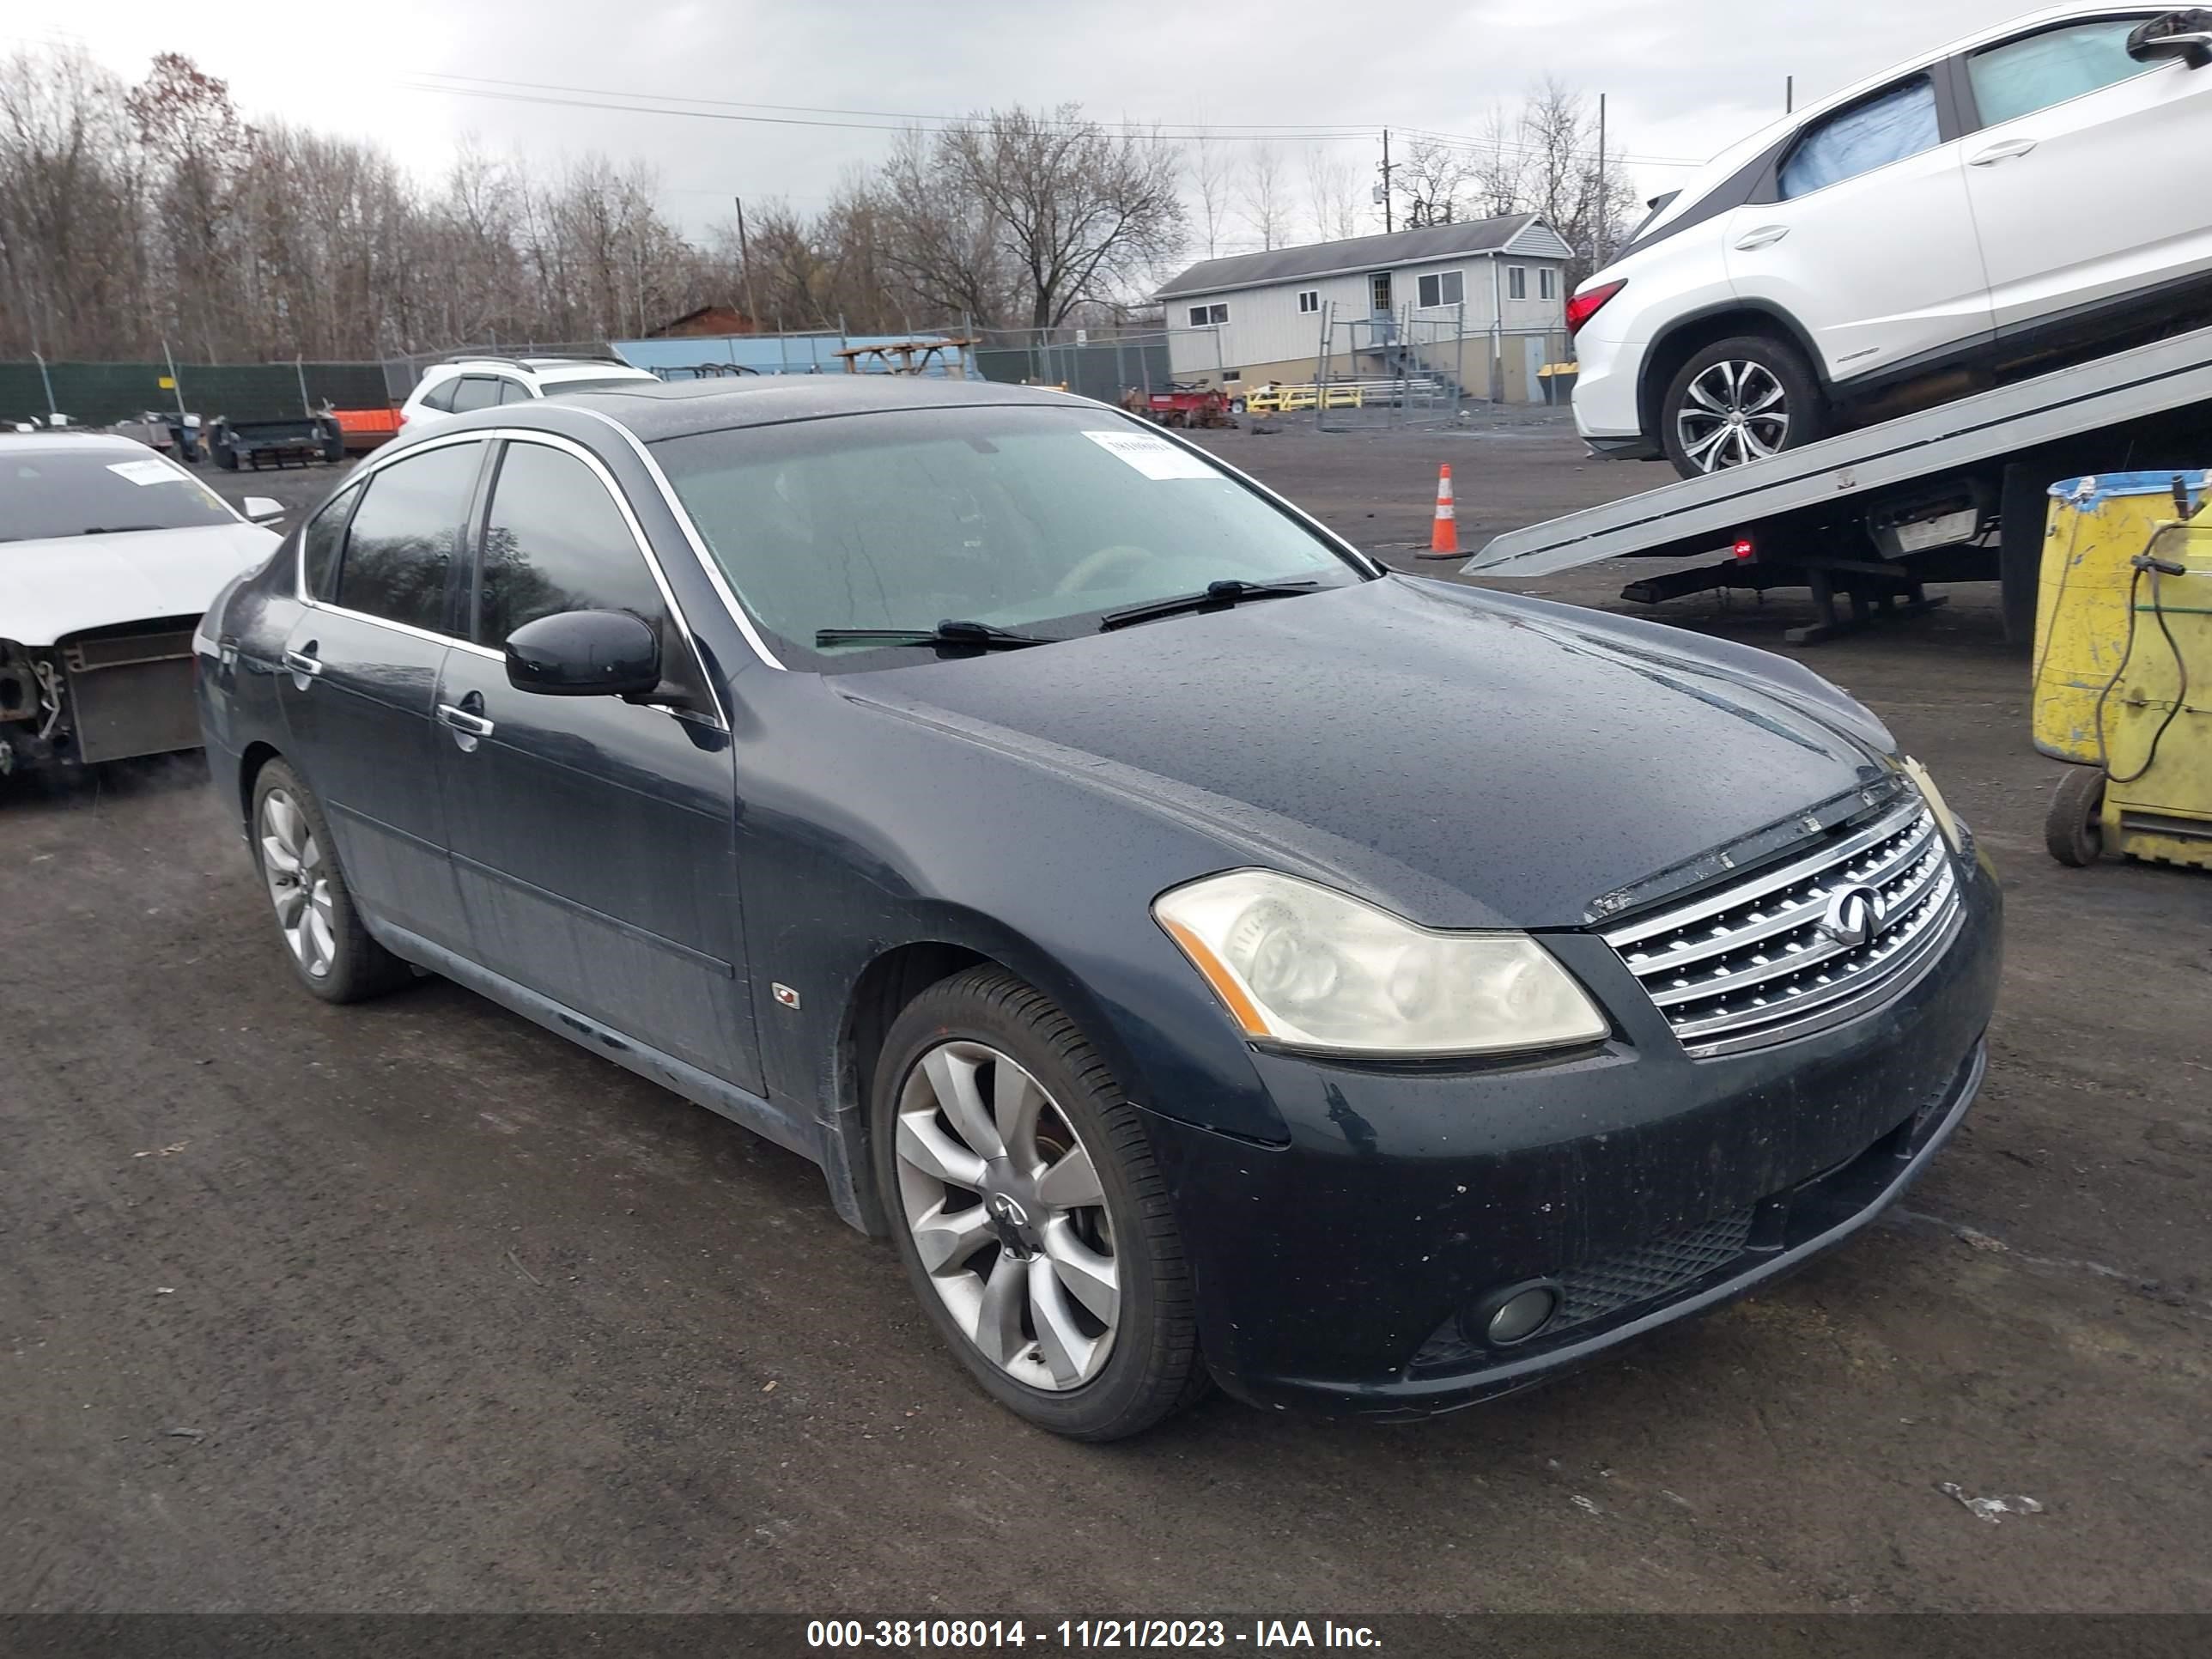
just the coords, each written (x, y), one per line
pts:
(2124, 667)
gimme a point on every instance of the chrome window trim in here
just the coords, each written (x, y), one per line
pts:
(707, 564)
(369, 469)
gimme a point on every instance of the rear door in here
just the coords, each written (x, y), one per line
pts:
(1864, 235)
(2090, 172)
(593, 839)
(358, 681)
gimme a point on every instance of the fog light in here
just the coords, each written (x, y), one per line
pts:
(1520, 1315)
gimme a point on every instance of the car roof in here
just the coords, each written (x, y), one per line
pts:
(657, 409)
(1724, 165)
(53, 442)
(553, 372)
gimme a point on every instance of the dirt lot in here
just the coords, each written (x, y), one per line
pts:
(415, 1306)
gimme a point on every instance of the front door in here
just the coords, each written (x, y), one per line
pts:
(1870, 245)
(593, 839)
(2088, 174)
(360, 676)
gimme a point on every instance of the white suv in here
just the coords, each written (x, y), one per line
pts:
(2034, 191)
(467, 383)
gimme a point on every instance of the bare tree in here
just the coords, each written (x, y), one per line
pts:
(1332, 195)
(129, 216)
(1266, 195)
(1591, 207)
(942, 241)
(1430, 182)
(1212, 174)
(1078, 209)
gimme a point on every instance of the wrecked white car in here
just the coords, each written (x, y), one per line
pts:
(108, 554)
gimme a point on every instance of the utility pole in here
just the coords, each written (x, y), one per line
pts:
(1788, 94)
(745, 259)
(1597, 238)
(1389, 224)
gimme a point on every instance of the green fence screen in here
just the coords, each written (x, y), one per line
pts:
(96, 393)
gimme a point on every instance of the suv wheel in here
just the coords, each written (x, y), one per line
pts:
(1028, 1210)
(331, 952)
(1738, 401)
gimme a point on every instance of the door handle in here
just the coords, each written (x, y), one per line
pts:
(1764, 236)
(304, 665)
(461, 720)
(2004, 152)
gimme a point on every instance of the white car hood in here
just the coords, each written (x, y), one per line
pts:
(50, 589)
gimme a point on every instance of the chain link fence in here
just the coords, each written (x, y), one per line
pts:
(98, 394)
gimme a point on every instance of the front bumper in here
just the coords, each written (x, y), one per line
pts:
(1340, 1270)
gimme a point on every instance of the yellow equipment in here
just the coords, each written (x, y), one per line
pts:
(2124, 667)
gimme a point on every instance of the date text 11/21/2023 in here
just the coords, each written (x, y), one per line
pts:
(987, 1634)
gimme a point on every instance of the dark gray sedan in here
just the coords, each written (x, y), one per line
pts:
(1206, 954)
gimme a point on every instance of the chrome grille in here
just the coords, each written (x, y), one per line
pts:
(1750, 964)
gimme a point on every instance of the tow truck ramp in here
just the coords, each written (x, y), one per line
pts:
(1877, 513)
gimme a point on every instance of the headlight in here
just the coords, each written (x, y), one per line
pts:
(1310, 967)
(1955, 835)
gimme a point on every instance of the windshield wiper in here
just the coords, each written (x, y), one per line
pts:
(967, 636)
(1216, 594)
(118, 529)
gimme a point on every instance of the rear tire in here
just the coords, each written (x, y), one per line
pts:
(1740, 400)
(1056, 1272)
(330, 950)
(2074, 832)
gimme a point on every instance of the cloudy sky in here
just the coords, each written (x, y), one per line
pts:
(1683, 77)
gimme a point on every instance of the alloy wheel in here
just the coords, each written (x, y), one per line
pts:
(1008, 1215)
(1735, 412)
(299, 883)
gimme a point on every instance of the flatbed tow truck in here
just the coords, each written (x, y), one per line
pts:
(1955, 493)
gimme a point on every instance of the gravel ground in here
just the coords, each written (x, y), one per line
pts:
(414, 1306)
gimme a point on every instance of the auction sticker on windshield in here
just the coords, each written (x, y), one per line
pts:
(147, 473)
(1156, 458)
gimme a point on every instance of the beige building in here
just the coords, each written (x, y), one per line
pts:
(1485, 298)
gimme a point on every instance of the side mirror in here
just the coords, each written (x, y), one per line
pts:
(263, 509)
(2184, 34)
(585, 653)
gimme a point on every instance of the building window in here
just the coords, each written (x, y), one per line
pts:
(1309, 300)
(1547, 283)
(1208, 316)
(1517, 281)
(1379, 292)
(1443, 288)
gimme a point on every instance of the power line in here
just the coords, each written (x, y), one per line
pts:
(642, 103)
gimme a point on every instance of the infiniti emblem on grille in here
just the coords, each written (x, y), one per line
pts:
(1853, 915)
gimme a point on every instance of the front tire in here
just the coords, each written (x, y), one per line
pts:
(330, 950)
(1738, 401)
(1028, 1210)
(2074, 832)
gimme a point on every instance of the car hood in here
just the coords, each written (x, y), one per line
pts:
(1433, 744)
(53, 588)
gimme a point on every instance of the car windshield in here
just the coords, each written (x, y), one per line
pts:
(102, 490)
(596, 383)
(1026, 518)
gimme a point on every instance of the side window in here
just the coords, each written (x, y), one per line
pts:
(440, 396)
(1517, 281)
(1445, 287)
(2019, 77)
(555, 541)
(1887, 127)
(477, 392)
(512, 391)
(319, 544)
(404, 534)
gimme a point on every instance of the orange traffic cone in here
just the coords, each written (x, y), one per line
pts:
(1444, 535)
